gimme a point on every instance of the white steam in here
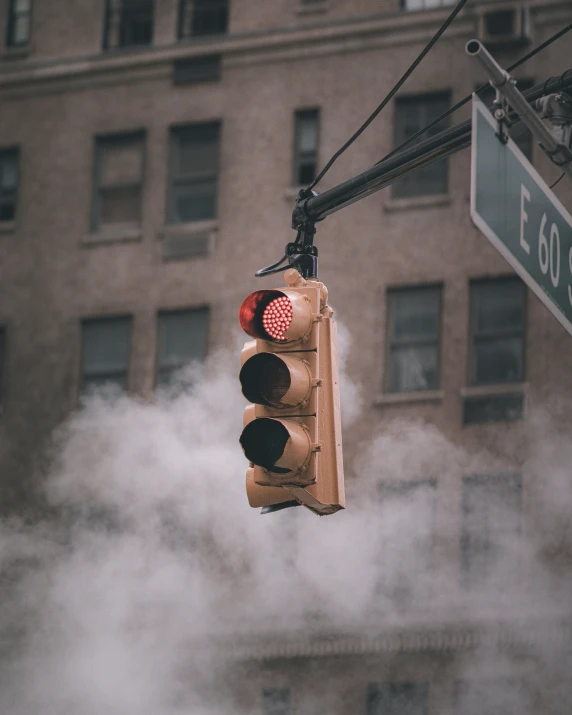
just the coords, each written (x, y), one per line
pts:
(127, 603)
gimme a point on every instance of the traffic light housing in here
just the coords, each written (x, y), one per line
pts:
(289, 371)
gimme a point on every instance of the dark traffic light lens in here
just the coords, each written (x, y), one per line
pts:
(265, 379)
(263, 442)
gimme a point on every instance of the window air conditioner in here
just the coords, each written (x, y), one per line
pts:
(504, 25)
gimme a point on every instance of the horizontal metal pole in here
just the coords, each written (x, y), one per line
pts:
(502, 81)
(424, 153)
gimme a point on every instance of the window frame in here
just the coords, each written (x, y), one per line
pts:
(469, 579)
(182, 21)
(100, 142)
(172, 311)
(268, 692)
(374, 689)
(475, 282)
(442, 3)
(296, 153)
(13, 151)
(392, 291)
(129, 318)
(422, 101)
(12, 19)
(108, 10)
(195, 178)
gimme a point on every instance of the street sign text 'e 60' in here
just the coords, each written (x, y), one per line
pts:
(516, 210)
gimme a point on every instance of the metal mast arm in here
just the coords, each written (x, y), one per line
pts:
(316, 208)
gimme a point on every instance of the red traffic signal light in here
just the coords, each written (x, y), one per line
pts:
(292, 432)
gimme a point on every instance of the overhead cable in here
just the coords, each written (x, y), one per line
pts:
(464, 101)
(395, 89)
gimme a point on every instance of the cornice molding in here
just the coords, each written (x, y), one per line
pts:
(277, 45)
(450, 639)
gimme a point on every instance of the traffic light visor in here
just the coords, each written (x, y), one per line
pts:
(277, 316)
(276, 380)
(268, 441)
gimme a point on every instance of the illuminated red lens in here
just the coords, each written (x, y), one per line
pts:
(277, 317)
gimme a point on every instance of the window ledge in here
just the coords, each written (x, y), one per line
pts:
(16, 52)
(417, 202)
(399, 398)
(7, 226)
(117, 234)
(177, 229)
(188, 240)
(504, 388)
(313, 7)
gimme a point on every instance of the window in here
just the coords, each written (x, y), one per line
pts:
(119, 163)
(306, 125)
(182, 338)
(276, 701)
(128, 23)
(193, 70)
(491, 523)
(194, 172)
(8, 184)
(411, 115)
(502, 696)
(105, 355)
(497, 331)
(19, 24)
(202, 17)
(407, 523)
(424, 4)
(414, 316)
(398, 699)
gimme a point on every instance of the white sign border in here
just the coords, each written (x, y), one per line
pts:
(479, 106)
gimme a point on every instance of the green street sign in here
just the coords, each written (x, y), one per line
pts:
(516, 210)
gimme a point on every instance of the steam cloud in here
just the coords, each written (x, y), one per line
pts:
(129, 602)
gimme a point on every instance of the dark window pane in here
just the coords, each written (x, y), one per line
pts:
(276, 701)
(498, 360)
(8, 183)
(128, 23)
(412, 114)
(203, 17)
(120, 205)
(19, 22)
(119, 178)
(413, 334)
(194, 173)
(398, 699)
(414, 368)
(493, 408)
(182, 339)
(106, 348)
(197, 69)
(497, 309)
(415, 313)
(492, 507)
(306, 129)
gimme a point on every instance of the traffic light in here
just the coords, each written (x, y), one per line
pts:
(292, 431)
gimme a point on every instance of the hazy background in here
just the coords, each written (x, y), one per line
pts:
(126, 606)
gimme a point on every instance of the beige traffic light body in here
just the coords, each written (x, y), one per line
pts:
(292, 432)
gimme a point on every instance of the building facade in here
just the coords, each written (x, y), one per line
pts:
(150, 155)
